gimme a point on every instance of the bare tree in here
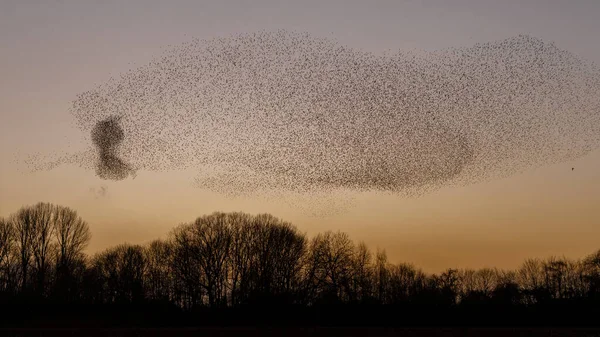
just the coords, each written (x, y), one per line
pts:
(277, 252)
(485, 281)
(449, 284)
(477, 285)
(564, 278)
(185, 267)
(240, 256)
(201, 252)
(382, 276)
(24, 226)
(506, 291)
(467, 282)
(43, 220)
(7, 237)
(72, 235)
(530, 277)
(121, 272)
(591, 270)
(576, 283)
(405, 281)
(159, 255)
(362, 285)
(332, 256)
(530, 274)
(211, 239)
(555, 276)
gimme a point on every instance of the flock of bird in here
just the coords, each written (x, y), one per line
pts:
(269, 112)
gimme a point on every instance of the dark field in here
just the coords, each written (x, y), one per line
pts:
(338, 332)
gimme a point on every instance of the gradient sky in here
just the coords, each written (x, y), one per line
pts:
(54, 49)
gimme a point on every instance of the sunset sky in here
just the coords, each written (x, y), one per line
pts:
(52, 50)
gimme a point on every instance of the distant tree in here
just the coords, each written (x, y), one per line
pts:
(467, 282)
(24, 224)
(240, 258)
(72, 235)
(159, 276)
(211, 238)
(186, 268)
(278, 251)
(576, 286)
(485, 280)
(7, 245)
(42, 244)
(591, 271)
(382, 275)
(362, 272)
(405, 282)
(506, 291)
(331, 265)
(556, 277)
(448, 283)
(7, 233)
(530, 277)
(120, 271)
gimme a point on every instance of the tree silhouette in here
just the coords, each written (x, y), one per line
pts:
(72, 236)
(7, 235)
(24, 223)
(120, 274)
(42, 233)
(330, 262)
(237, 267)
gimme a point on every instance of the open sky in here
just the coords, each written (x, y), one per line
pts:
(54, 49)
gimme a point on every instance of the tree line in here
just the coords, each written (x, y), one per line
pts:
(229, 267)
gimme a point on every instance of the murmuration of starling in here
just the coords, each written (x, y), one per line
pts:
(279, 111)
(107, 135)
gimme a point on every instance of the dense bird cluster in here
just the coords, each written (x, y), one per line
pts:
(107, 136)
(283, 111)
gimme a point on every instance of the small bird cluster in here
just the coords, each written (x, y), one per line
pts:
(282, 111)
